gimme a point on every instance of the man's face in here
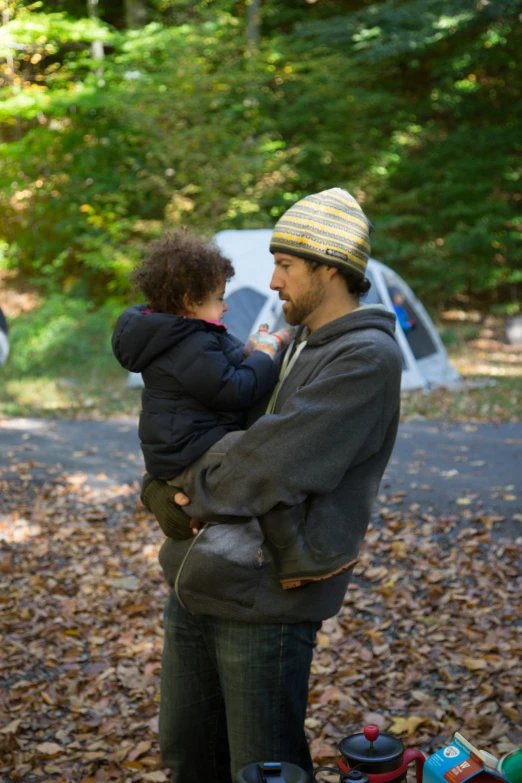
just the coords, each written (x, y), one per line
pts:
(301, 288)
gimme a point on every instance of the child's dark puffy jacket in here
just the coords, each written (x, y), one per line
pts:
(197, 388)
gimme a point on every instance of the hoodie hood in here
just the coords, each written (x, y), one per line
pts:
(141, 335)
(364, 317)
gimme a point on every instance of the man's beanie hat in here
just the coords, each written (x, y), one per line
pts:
(329, 227)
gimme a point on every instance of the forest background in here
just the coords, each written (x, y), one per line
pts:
(125, 118)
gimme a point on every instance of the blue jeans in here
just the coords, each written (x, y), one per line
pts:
(232, 693)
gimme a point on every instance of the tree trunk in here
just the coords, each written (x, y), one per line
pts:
(97, 46)
(253, 24)
(9, 55)
(135, 14)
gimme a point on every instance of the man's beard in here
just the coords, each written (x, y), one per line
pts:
(298, 310)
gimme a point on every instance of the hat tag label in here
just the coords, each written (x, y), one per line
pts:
(336, 253)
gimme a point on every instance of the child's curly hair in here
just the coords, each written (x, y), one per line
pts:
(180, 263)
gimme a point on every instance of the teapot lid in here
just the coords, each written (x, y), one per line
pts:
(371, 746)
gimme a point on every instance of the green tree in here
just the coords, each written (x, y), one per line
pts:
(413, 105)
(135, 13)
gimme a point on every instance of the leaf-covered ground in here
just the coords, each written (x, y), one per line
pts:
(426, 643)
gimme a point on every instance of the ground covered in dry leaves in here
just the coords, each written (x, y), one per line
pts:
(425, 644)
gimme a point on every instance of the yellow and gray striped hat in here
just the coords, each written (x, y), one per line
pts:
(329, 227)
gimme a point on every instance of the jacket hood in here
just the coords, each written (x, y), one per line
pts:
(364, 317)
(141, 335)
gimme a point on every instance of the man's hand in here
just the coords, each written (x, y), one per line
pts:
(180, 499)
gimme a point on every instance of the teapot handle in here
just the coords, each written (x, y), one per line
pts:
(409, 755)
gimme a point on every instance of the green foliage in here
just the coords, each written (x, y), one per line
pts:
(413, 105)
(167, 135)
(64, 333)
(443, 187)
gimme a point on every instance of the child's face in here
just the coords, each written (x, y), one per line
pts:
(213, 308)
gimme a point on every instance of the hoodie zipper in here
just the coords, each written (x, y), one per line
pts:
(178, 575)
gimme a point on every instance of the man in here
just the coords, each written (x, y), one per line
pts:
(238, 645)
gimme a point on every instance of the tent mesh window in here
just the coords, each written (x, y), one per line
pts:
(244, 306)
(419, 338)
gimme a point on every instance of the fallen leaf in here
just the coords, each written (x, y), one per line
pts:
(475, 664)
(406, 725)
(420, 695)
(319, 749)
(136, 609)
(331, 695)
(139, 750)
(12, 727)
(49, 749)
(323, 640)
(127, 583)
(132, 765)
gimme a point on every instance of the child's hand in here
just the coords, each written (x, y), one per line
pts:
(272, 343)
(286, 335)
(252, 341)
(269, 343)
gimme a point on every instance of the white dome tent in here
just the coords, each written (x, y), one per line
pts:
(251, 303)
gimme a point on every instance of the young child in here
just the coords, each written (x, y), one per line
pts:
(199, 380)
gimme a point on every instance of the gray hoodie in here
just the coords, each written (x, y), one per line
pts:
(325, 447)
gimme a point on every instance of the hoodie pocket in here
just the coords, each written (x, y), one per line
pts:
(281, 524)
(226, 564)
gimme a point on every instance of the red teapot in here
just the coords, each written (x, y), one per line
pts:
(379, 755)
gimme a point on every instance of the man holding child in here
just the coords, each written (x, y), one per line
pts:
(282, 507)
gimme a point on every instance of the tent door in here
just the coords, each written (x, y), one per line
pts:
(412, 377)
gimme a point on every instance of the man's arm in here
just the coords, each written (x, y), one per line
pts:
(323, 428)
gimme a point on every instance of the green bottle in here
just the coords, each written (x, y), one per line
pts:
(510, 766)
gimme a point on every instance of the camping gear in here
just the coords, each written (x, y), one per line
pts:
(379, 755)
(458, 763)
(510, 766)
(272, 772)
(251, 302)
(283, 772)
(488, 758)
(352, 776)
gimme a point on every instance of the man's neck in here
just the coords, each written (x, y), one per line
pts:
(331, 310)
